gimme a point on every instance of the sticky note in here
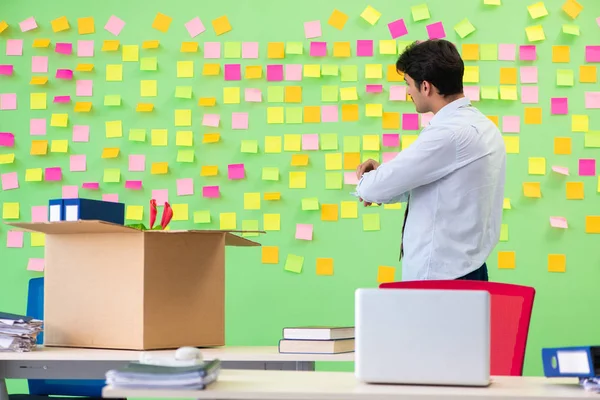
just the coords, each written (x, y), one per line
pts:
(337, 19)
(572, 8)
(270, 174)
(114, 25)
(436, 30)
(537, 166)
(114, 73)
(221, 25)
(324, 266)
(559, 105)
(533, 115)
(537, 10)
(312, 29)
(236, 171)
(39, 147)
(294, 263)
(370, 15)
(110, 45)
(185, 69)
(464, 28)
(297, 180)
(564, 77)
(420, 12)
(532, 189)
(14, 47)
(570, 29)
(162, 22)
(579, 123)
(364, 48)
(535, 33)
(10, 210)
(506, 260)
(304, 231)
(270, 255)
(114, 129)
(189, 47)
(489, 52)
(560, 54)
(60, 24)
(25, 25)
(587, 167)
(371, 222)
(333, 180)
(194, 27)
(183, 117)
(272, 222)
(397, 28)
(249, 50)
(592, 223)
(592, 139)
(562, 145)
(385, 274)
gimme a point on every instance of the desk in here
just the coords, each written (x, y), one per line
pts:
(74, 363)
(306, 385)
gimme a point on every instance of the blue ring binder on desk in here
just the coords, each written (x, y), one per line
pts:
(574, 362)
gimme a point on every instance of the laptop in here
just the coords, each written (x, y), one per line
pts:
(422, 336)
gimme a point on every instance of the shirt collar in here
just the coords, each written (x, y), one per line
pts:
(449, 109)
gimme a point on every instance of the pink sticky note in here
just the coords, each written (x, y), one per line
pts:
(62, 99)
(587, 167)
(133, 185)
(211, 192)
(8, 101)
(28, 24)
(398, 93)
(426, 118)
(558, 222)
(6, 70)
(592, 99)
(7, 139)
(364, 48)
(436, 30)
(14, 47)
(598, 21)
(250, 50)
(529, 94)
(195, 27)
(318, 49)
(14, 239)
(64, 74)
(559, 105)
(293, 72)
(388, 156)
(81, 133)
(511, 124)
(233, 72)
(161, 196)
(10, 180)
(35, 264)
(211, 120)
(527, 52)
(472, 92)
(253, 95)
(374, 88)
(92, 186)
(329, 113)
(85, 48)
(304, 231)
(39, 64)
(310, 141)
(397, 28)
(410, 122)
(112, 197)
(592, 54)
(64, 48)
(53, 174)
(137, 162)
(560, 170)
(39, 213)
(239, 120)
(274, 72)
(236, 171)
(350, 178)
(77, 163)
(212, 50)
(114, 25)
(528, 74)
(391, 139)
(506, 52)
(312, 29)
(70, 192)
(185, 187)
(85, 88)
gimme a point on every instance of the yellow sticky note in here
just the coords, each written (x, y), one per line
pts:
(312, 114)
(33, 174)
(221, 25)
(59, 120)
(183, 117)
(3, 26)
(407, 140)
(251, 201)
(592, 224)
(575, 191)
(231, 95)
(275, 115)
(185, 69)
(159, 168)
(84, 67)
(272, 222)
(324, 266)
(299, 160)
(150, 44)
(110, 152)
(562, 145)
(162, 22)
(341, 49)
(333, 161)
(37, 101)
(114, 129)
(537, 10)
(227, 221)
(506, 260)
(370, 15)
(508, 92)
(537, 166)
(588, 74)
(374, 110)
(10, 210)
(39, 147)
(373, 71)
(131, 53)
(312, 70)
(386, 274)
(293, 94)
(60, 24)
(211, 69)
(41, 43)
(207, 101)
(292, 142)
(511, 143)
(561, 54)
(272, 196)
(144, 107)
(272, 144)
(85, 25)
(533, 115)
(114, 73)
(506, 204)
(38, 239)
(209, 170)
(297, 180)
(253, 72)
(180, 212)
(110, 45)
(532, 189)
(112, 175)
(276, 50)
(270, 255)
(535, 33)
(371, 142)
(184, 138)
(557, 263)
(38, 80)
(580, 123)
(83, 106)
(348, 94)
(349, 209)
(508, 76)
(148, 88)
(189, 47)
(7, 158)
(471, 74)
(134, 213)
(470, 52)
(159, 137)
(59, 146)
(387, 47)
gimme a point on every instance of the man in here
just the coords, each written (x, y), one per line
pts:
(452, 176)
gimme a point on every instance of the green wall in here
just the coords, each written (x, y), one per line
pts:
(264, 298)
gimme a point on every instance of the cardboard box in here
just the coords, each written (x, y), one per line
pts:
(111, 286)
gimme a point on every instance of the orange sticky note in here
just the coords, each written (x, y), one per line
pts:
(144, 107)
(276, 50)
(508, 76)
(562, 145)
(572, 8)
(60, 24)
(211, 138)
(85, 26)
(85, 67)
(349, 112)
(38, 80)
(385, 274)
(341, 49)
(312, 114)
(506, 260)
(324, 266)
(337, 19)
(588, 74)
(189, 47)
(533, 115)
(160, 168)
(575, 191)
(393, 75)
(3, 26)
(207, 101)
(329, 212)
(150, 44)
(351, 161)
(272, 196)
(390, 120)
(253, 72)
(221, 25)
(560, 54)
(470, 52)
(211, 69)
(532, 189)
(110, 152)
(495, 119)
(299, 160)
(293, 94)
(83, 106)
(592, 224)
(41, 43)
(39, 147)
(557, 263)
(162, 22)
(110, 45)
(209, 170)
(270, 254)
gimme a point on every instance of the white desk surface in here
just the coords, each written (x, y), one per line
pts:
(307, 385)
(225, 353)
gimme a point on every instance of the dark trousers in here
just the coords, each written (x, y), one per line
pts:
(480, 274)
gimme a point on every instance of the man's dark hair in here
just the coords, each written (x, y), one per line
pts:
(435, 61)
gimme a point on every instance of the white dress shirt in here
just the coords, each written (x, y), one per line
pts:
(454, 173)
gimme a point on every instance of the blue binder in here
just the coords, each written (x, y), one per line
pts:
(574, 362)
(56, 210)
(78, 209)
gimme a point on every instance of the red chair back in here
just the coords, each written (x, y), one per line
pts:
(511, 307)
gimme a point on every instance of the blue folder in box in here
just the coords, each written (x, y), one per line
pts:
(575, 362)
(56, 210)
(78, 209)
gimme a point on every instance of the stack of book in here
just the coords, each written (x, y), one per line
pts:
(136, 375)
(317, 340)
(18, 333)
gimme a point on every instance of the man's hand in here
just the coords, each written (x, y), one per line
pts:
(363, 168)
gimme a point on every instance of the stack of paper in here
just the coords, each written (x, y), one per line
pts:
(145, 376)
(18, 333)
